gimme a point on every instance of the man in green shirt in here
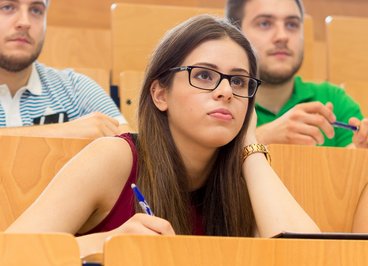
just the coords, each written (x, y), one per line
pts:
(290, 110)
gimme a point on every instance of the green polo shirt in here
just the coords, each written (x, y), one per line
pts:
(344, 107)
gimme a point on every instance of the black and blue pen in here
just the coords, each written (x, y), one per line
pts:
(345, 126)
(142, 202)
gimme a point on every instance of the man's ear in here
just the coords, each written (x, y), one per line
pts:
(159, 94)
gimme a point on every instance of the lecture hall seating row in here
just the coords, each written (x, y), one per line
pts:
(326, 181)
(100, 53)
(61, 249)
(121, 47)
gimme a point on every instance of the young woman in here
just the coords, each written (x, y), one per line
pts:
(194, 159)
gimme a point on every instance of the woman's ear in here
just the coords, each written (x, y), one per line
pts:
(158, 94)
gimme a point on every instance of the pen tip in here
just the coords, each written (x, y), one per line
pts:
(132, 185)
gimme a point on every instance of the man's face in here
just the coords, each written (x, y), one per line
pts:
(22, 32)
(275, 29)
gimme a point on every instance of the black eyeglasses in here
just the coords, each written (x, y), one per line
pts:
(208, 79)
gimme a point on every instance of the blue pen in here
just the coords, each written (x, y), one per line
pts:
(344, 125)
(142, 202)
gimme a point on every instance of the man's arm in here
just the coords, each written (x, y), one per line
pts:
(93, 125)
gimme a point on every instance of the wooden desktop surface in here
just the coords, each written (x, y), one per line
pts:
(194, 250)
(39, 249)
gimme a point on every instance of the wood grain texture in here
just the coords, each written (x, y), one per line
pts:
(326, 181)
(307, 70)
(39, 249)
(96, 14)
(129, 90)
(358, 90)
(77, 47)
(347, 56)
(194, 250)
(133, 39)
(26, 167)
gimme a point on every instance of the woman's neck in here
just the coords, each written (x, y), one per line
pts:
(198, 162)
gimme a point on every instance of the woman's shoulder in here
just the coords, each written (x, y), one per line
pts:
(117, 151)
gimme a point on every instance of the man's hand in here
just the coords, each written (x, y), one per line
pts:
(93, 125)
(300, 125)
(360, 138)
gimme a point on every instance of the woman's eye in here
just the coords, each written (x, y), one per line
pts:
(238, 82)
(204, 75)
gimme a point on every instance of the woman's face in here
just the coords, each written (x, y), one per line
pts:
(208, 118)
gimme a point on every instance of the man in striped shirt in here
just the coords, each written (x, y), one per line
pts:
(36, 100)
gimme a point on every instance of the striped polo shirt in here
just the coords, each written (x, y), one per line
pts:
(54, 96)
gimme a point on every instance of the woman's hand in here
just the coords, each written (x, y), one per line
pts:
(144, 224)
(250, 136)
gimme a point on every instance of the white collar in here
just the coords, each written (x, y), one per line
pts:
(34, 82)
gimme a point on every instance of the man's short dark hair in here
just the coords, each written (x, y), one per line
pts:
(235, 10)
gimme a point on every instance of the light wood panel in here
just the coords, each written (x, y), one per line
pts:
(359, 92)
(129, 90)
(307, 70)
(26, 167)
(320, 61)
(79, 13)
(347, 54)
(136, 30)
(326, 181)
(72, 13)
(322, 8)
(191, 250)
(77, 47)
(39, 249)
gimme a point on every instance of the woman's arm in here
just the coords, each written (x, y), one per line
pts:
(81, 194)
(275, 209)
(360, 221)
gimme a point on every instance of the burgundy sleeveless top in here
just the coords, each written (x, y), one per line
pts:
(123, 209)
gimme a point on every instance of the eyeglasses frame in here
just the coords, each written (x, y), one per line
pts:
(222, 76)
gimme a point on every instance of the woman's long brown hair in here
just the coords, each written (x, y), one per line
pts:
(162, 175)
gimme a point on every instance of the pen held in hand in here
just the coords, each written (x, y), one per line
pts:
(142, 202)
(344, 125)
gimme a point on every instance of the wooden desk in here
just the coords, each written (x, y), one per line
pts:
(26, 167)
(326, 181)
(191, 250)
(39, 249)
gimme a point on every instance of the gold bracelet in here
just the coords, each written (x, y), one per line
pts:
(253, 148)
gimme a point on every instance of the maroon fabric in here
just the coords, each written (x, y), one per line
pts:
(123, 209)
(197, 219)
